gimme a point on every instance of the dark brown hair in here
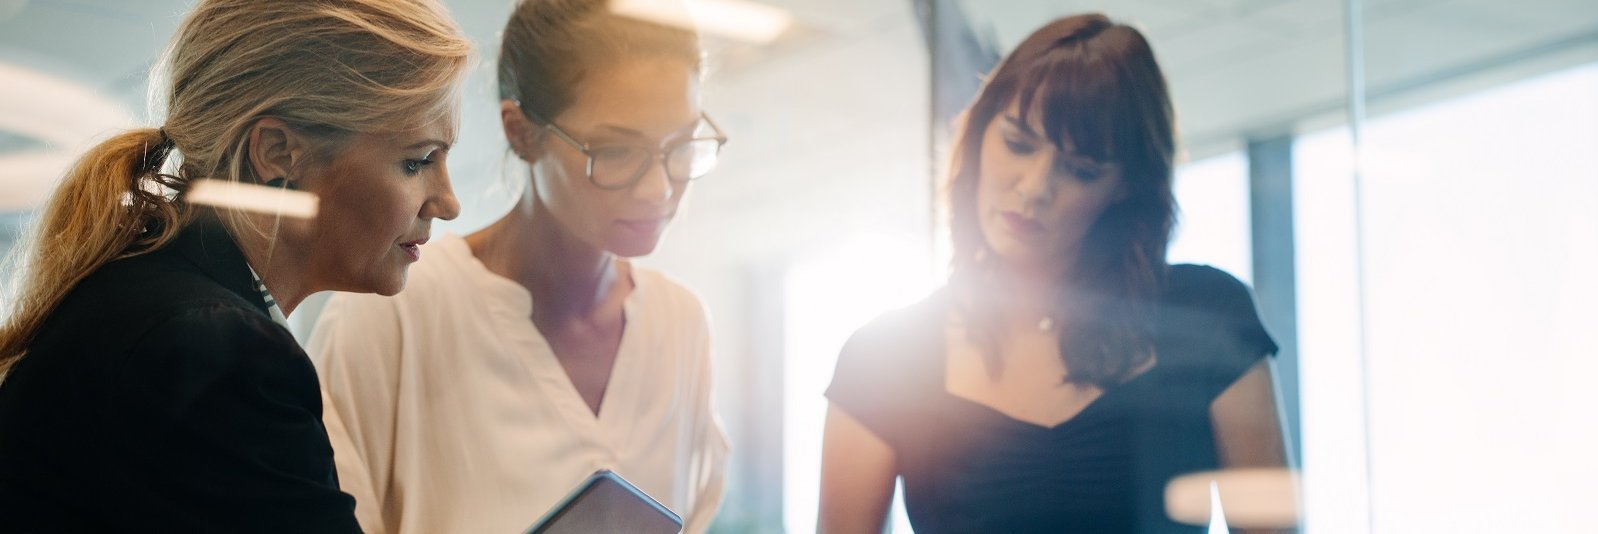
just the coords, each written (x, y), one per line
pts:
(1098, 85)
(550, 45)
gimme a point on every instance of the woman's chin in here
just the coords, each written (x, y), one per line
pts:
(1024, 258)
(394, 285)
(633, 248)
(387, 285)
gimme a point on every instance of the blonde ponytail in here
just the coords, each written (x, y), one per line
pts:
(110, 182)
(330, 69)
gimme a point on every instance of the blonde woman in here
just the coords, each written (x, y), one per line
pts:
(149, 382)
(529, 354)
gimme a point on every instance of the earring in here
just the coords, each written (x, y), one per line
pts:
(281, 183)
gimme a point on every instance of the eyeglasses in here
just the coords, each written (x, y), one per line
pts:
(621, 165)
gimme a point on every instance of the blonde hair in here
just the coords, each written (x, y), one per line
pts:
(327, 68)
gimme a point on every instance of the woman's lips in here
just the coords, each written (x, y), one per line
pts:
(643, 226)
(413, 248)
(1021, 224)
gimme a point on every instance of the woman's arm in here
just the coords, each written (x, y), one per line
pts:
(1248, 430)
(858, 470)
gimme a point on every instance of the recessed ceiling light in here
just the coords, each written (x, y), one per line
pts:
(59, 119)
(733, 19)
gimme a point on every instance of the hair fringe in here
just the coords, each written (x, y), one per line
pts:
(1089, 75)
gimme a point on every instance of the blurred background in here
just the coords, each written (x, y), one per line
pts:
(1410, 186)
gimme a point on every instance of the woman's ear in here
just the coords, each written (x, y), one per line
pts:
(519, 130)
(274, 149)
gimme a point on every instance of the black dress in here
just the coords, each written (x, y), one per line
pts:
(969, 468)
(161, 397)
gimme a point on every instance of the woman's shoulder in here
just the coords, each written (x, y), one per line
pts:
(666, 297)
(1201, 291)
(889, 367)
(1208, 319)
(151, 284)
(184, 351)
(219, 335)
(129, 298)
(154, 313)
(898, 343)
(1189, 282)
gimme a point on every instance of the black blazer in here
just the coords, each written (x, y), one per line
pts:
(161, 397)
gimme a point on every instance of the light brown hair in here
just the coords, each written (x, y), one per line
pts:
(549, 46)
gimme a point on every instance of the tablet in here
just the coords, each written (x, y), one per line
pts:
(606, 502)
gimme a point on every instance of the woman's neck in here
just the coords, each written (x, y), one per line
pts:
(1026, 295)
(281, 269)
(565, 275)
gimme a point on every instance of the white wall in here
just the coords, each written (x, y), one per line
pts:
(1480, 233)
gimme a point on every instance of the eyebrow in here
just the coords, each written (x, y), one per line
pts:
(618, 129)
(441, 144)
(688, 128)
(1070, 155)
(1019, 125)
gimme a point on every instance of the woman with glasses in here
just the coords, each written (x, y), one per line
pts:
(525, 356)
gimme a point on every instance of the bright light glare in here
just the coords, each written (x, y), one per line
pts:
(1217, 514)
(1478, 315)
(1331, 383)
(1259, 497)
(733, 19)
(828, 297)
(253, 198)
(1213, 227)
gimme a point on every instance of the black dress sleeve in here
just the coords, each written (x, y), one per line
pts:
(1210, 317)
(219, 415)
(883, 371)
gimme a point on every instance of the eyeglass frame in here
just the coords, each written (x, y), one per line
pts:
(657, 158)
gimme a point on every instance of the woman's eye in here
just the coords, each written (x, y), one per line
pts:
(1019, 148)
(414, 166)
(1086, 174)
(613, 152)
(1082, 172)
